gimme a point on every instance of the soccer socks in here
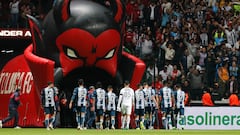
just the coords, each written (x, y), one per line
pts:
(82, 120)
(128, 122)
(78, 119)
(164, 122)
(169, 121)
(107, 123)
(123, 121)
(113, 122)
(137, 123)
(46, 122)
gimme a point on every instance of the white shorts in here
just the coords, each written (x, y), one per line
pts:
(126, 109)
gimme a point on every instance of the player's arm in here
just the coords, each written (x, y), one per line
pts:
(73, 98)
(155, 100)
(119, 101)
(43, 97)
(160, 97)
(133, 98)
(173, 100)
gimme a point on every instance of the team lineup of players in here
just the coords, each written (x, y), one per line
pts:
(101, 105)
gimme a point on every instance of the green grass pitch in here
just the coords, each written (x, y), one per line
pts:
(72, 131)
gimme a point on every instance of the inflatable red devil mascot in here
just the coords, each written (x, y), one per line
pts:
(80, 39)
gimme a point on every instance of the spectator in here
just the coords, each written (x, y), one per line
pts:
(223, 79)
(232, 86)
(233, 99)
(207, 98)
(196, 84)
(14, 10)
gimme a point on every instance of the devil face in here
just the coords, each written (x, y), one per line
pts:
(79, 48)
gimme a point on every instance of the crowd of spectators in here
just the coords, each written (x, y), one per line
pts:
(13, 12)
(191, 42)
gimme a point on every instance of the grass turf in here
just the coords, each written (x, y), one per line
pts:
(72, 131)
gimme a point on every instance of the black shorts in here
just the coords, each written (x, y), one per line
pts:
(49, 110)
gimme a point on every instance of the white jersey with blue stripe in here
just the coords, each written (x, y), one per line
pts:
(49, 94)
(82, 96)
(111, 101)
(166, 95)
(153, 94)
(148, 99)
(139, 99)
(179, 98)
(100, 96)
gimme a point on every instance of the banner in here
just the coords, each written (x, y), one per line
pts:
(15, 33)
(211, 118)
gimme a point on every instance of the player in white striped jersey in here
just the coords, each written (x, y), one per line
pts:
(154, 105)
(125, 104)
(139, 107)
(166, 99)
(100, 99)
(79, 98)
(149, 109)
(111, 107)
(179, 96)
(49, 98)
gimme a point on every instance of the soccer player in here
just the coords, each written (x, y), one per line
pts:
(79, 98)
(179, 96)
(111, 107)
(12, 109)
(100, 99)
(125, 104)
(139, 107)
(166, 99)
(150, 100)
(91, 114)
(49, 98)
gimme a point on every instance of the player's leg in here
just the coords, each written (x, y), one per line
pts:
(83, 115)
(137, 122)
(141, 118)
(128, 113)
(47, 117)
(153, 116)
(107, 120)
(113, 114)
(182, 118)
(123, 118)
(9, 117)
(150, 119)
(16, 119)
(101, 113)
(175, 118)
(97, 119)
(164, 121)
(169, 118)
(78, 120)
(53, 112)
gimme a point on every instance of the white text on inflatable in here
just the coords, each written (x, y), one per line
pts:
(10, 81)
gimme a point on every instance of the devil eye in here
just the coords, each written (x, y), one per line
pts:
(71, 53)
(109, 54)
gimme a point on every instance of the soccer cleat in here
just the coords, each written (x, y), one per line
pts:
(142, 125)
(17, 127)
(107, 128)
(138, 128)
(48, 128)
(113, 127)
(151, 127)
(51, 126)
(101, 126)
(1, 124)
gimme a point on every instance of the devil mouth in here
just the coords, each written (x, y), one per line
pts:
(90, 76)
